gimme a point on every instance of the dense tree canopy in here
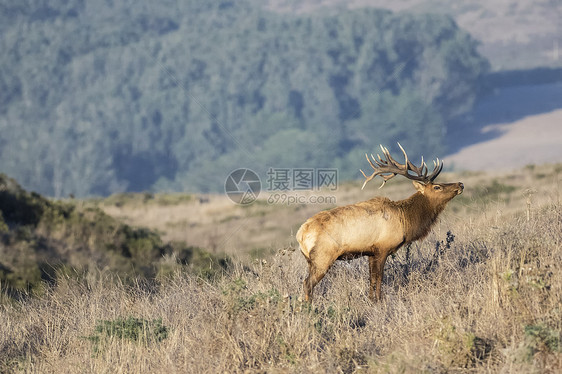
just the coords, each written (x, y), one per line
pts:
(103, 96)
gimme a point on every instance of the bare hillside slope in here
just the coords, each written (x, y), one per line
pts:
(532, 140)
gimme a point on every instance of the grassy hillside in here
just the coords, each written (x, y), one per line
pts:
(481, 294)
(257, 230)
(41, 239)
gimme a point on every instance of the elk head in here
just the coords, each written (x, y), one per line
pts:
(439, 194)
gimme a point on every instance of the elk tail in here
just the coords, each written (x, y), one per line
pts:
(306, 240)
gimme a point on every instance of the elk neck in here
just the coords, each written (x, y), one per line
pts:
(419, 214)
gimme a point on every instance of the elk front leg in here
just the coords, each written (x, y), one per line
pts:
(376, 268)
(316, 271)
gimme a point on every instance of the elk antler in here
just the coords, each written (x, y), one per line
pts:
(389, 168)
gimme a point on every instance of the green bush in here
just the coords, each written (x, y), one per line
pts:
(3, 226)
(540, 337)
(136, 330)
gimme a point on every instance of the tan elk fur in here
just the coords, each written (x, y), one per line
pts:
(374, 228)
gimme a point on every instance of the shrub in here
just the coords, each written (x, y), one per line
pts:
(136, 330)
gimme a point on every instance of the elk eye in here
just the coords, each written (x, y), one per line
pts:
(437, 188)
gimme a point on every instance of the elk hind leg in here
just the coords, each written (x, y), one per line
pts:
(376, 269)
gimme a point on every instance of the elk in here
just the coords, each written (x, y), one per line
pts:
(377, 227)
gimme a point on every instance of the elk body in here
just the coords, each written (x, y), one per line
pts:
(376, 228)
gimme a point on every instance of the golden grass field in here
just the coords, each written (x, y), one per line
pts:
(482, 293)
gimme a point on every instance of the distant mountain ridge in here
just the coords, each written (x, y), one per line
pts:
(515, 34)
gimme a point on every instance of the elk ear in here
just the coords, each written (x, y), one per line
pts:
(419, 186)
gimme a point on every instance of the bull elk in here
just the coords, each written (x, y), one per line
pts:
(375, 228)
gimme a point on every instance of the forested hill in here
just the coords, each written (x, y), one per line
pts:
(100, 96)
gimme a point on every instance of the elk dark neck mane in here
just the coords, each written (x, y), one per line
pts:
(419, 214)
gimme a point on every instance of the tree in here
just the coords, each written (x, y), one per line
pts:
(99, 97)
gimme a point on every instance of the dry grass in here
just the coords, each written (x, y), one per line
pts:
(487, 300)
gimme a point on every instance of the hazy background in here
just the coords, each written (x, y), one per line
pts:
(100, 97)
